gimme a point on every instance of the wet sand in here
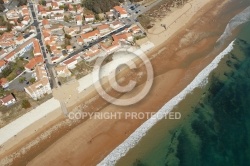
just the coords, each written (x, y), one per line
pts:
(176, 64)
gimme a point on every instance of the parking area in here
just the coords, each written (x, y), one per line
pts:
(19, 86)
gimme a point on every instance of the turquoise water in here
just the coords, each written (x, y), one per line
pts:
(217, 131)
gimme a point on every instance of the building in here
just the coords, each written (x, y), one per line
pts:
(93, 52)
(109, 14)
(37, 49)
(3, 28)
(19, 40)
(103, 29)
(37, 60)
(89, 18)
(62, 71)
(45, 23)
(122, 13)
(116, 25)
(87, 28)
(6, 1)
(2, 65)
(90, 36)
(71, 62)
(8, 100)
(79, 20)
(4, 83)
(41, 86)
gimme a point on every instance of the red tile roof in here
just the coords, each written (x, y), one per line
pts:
(8, 98)
(90, 34)
(120, 10)
(3, 81)
(34, 61)
(2, 63)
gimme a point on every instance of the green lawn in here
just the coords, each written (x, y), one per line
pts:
(14, 69)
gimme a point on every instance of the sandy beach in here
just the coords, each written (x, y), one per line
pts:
(177, 61)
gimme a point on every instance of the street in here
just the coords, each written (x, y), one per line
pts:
(52, 74)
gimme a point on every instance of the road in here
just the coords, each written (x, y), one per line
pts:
(50, 68)
(95, 42)
(128, 22)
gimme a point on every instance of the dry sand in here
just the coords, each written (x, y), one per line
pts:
(176, 19)
(175, 65)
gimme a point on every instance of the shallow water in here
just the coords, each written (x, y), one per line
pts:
(217, 131)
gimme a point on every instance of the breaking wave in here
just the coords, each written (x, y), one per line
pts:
(200, 81)
(236, 21)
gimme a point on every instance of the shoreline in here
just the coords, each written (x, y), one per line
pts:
(147, 53)
(200, 80)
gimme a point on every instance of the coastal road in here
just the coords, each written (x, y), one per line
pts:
(94, 42)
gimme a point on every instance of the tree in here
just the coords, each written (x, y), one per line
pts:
(6, 72)
(22, 79)
(61, 7)
(2, 8)
(9, 27)
(66, 19)
(26, 104)
(66, 7)
(32, 80)
(22, 2)
(2, 92)
(48, 48)
(42, 2)
(97, 17)
(67, 36)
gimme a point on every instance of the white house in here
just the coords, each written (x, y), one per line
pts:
(59, 17)
(42, 84)
(121, 11)
(103, 29)
(79, 20)
(87, 28)
(89, 18)
(3, 28)
(62, 71)
(4, 82)
(8, 100)
(116, 25)
(90, 36)
(71, 62)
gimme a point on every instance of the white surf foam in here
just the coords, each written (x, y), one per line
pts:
(237, 20)
(200, 80)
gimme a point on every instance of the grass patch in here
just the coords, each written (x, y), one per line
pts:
(14, 69)
(145, 21)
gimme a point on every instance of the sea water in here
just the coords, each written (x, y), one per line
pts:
(216, 130)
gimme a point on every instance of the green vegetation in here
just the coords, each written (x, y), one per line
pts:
(22, 2)
(48, 48)
(2, 92)
(42, 2)
(145, 21)
(32, 80)
(100, 6)
(13, 69)
(2, 8)
(22, 79)
(26, 104)
(82, 68)
(5, 23)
